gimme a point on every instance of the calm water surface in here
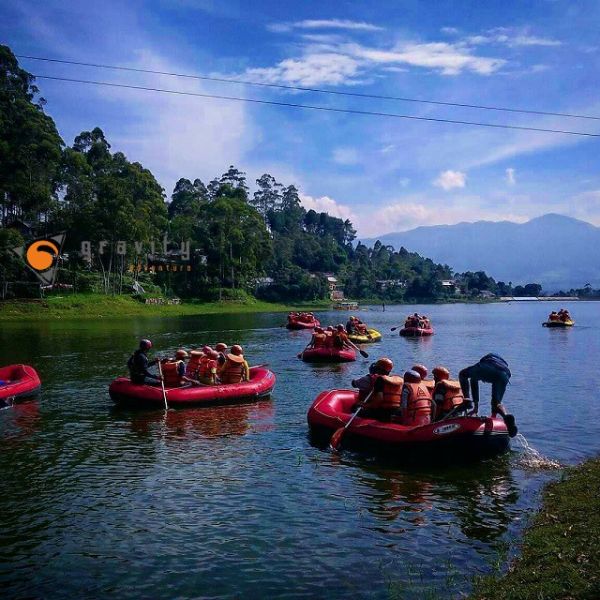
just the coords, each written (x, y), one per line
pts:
(235, 502)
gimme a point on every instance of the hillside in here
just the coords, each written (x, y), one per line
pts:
(557, 251)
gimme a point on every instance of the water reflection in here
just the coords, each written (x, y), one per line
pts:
(208, 422)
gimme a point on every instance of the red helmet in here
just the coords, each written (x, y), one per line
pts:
(145, 344)
(236, 350)
(181, 353)
(318, 330)
(221, 347)
(421, 370)
(440, 373)
(385, 364)
(213, 354)
(206, 349)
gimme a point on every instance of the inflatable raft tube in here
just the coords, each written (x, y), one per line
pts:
(328, 355)
(260, 385)
(563, 324)
(373, 336)
(18, 382)
(452, 439)
(415, 332)
(295, 324)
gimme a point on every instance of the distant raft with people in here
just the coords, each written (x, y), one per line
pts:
(416, 331)
(371, 336)
(328, 355)
(455, 438)
(302, 321)
(260, 385)
(416, 326)
(18, 382)
(562, 318)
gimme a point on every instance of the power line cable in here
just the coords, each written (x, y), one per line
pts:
(316, 107)
(311, 89)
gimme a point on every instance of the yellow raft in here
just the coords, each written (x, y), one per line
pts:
(372, 336)
(568, 323)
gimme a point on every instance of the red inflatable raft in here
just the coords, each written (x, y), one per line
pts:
(260, 385)
(296, 324)
(328, 355)
(18, 382)
(416, 331)
(451, 439)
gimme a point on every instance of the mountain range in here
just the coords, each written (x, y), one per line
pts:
(557, 251)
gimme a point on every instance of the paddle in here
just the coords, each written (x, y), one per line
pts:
(162, 385)
(362, 352)
(336, 438)
(397, 327)
(301, 354)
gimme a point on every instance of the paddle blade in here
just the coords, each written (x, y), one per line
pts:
(363, 354)
(336, 439)
(393, 329)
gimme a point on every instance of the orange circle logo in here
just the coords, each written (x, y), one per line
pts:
(41, 255)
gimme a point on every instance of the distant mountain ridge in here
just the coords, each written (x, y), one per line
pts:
(554, 250)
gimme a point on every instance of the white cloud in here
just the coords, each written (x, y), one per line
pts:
(449, 30)
(328, 205)
(179, 136)
(448, 180)
(345, 24)
(310, 70)
(387, 149)
(346, 156)
(450, 59)
(510, 176)
(511, 37)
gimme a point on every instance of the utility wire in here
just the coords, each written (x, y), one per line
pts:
(316, 107)
(311, 89)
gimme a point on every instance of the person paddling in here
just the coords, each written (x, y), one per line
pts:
(138, 364)
(493, 369)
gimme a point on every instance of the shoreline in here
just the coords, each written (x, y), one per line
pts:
(100, 306)
(559, 553)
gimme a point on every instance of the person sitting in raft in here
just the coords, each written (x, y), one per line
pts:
(329, 333)
(422, 371)
(350, 325)
(340, 338)
(379, 391)
(447, 395)
(221, 348)
(236, 368)
(207, 374)
(493, 369)
(319, 338)
(174, 370)
(138, 364)
(565, 316)
(194, 364)
(415, 401)
(553, 316)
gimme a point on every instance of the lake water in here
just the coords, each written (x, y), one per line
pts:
(234, 501)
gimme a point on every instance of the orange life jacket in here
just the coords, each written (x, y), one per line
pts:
(447, 395)
(232, 372)
(329, 339)
(170, 374)
(361, 328)
(430, 385)
(416, 404)
(339, 339)
(319, 340)
(193, 366)
(390, 396)
(207, 370)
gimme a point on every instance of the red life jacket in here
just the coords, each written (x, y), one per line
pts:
(416, 404)
(170, 373)
(232, 372)
(193, 366)
(389, 397)
(447, 395)
(207, 369)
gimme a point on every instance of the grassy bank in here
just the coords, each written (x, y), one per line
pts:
(89, 306)
(560, 555)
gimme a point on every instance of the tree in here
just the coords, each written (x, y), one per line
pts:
(30, 147)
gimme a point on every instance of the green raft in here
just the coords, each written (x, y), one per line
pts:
(372, 336)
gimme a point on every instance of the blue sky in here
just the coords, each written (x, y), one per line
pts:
(385, 174)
